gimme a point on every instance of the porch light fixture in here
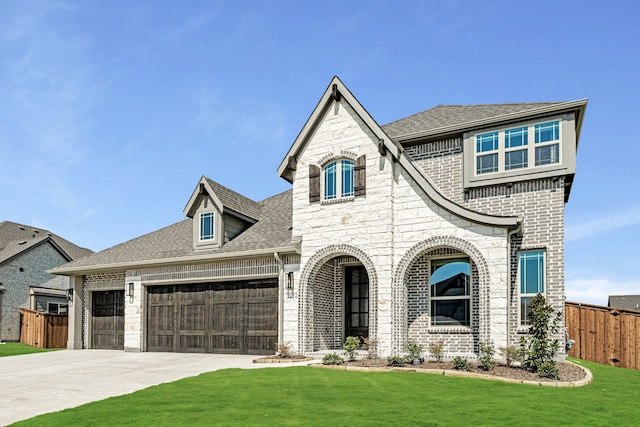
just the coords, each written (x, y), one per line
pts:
(130, 291)
(69, 294)
(290, 284)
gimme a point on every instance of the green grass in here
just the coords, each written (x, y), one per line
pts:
(320, 397)
(16, 348)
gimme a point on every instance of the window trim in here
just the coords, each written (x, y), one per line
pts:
(520, 276)
(468, 297)
(338, 166)
(60, 305)
(564, 166)
(212, 236)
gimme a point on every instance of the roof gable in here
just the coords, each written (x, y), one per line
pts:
(337, 91)
(226, 200)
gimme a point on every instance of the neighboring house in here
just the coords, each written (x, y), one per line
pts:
(439, 226)
(26, 253)
(628, 302)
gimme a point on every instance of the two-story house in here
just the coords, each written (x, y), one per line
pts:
(438, 226)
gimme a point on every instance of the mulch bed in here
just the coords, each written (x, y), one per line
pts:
(568, 371)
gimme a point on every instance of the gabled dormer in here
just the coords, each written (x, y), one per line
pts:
(219, 214)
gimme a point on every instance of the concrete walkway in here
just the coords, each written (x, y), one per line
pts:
(35, 384)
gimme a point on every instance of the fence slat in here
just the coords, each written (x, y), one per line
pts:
(603, 334)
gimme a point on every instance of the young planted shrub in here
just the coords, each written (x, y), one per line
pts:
(283, 350)
(413, 349)
(436, 349)
(332, 359)
(487, 350)
(372, 347)
(351, 344)
(461, 364)
(511, 354)
(397, 361)
(538, 347)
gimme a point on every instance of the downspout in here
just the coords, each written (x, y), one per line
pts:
(280, 298)
(517, 230)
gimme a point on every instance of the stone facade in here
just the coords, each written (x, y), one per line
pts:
(19, 274)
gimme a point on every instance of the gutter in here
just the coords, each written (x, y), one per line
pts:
(281, 280)
(74, 271)
(517, 230)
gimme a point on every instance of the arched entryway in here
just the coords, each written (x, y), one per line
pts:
(338, 298)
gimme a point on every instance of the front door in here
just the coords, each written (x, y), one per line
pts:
(357, 300)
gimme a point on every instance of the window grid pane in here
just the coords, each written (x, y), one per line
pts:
(547, 132)
(347, 178)
(516, 159)
(487, 163)
(330, 181)
(547, 155)
(516, 137)
(206, 226)
(487, 142)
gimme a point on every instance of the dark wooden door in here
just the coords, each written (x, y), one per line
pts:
(107, 320)
(225, 317)
(357, 302)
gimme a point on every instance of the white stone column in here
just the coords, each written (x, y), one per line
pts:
(74, 336)
(133, 314)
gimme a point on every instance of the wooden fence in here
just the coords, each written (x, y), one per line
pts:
(43, 330)
(604, 335)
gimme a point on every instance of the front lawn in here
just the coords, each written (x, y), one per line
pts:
(321, 397)
(16, 348)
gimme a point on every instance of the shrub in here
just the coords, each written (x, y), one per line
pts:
(487, 350)
(372, 348)
(351, 344)
(332, 359)
(538, 348)
(436, 349)
(511, 354)
(461, 364)
(395, 361)
(549, 370)
(413, 349)
(283, 350)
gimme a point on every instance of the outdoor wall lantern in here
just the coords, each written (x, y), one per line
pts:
(69, 294)
(130, 291)
(290, 284)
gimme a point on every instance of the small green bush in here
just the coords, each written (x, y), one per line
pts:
(395, 361)
(436, 349)
(332, 359)
(549, 370)
(351, 344)
(461, 364)
(414, 350)
(487, 350)
(511, 354)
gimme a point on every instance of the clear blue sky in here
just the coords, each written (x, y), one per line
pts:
(110, 111)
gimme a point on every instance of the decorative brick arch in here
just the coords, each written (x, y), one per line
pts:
(305, 291)
(399, 287)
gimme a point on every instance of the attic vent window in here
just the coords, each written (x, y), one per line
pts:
(207, 226)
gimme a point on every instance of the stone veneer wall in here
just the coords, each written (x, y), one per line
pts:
(539, 202)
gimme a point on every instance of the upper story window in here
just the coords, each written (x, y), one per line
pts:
(338, 179)
(532, 280)
(450, 283)
(341, 179)
(509, 149)
(207, 229)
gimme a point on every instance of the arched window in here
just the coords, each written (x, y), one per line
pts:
(338, 179)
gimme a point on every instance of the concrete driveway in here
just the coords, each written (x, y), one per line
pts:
(39, 383)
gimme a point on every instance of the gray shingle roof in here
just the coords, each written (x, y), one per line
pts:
(16, 238)
(272, 230)
(629, 302)
(451, 115)
(235, 201)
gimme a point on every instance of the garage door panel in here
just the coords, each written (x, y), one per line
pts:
(107, 320)
(224, 317)
(160, 315)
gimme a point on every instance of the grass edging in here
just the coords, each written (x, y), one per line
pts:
(586, 380)
(270, 359)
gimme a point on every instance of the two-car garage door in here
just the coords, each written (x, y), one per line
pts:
(226, 317)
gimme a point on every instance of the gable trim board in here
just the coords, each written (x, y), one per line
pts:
(388, 237)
